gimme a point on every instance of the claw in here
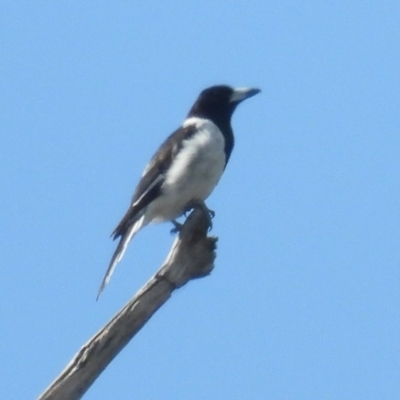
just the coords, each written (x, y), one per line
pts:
(177, 227)
(209, 213)
(190, 206)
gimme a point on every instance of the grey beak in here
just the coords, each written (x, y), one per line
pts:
(240, 94)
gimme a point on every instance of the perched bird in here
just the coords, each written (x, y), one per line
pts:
(185, 169)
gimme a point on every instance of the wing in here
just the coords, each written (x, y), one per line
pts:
(150, 185)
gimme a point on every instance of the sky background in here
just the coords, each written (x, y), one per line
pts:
(303, 303)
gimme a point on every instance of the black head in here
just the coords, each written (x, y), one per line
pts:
(218, 103)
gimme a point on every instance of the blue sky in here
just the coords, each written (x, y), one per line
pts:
(304, 299)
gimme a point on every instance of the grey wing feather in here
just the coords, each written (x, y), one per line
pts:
(150, 186)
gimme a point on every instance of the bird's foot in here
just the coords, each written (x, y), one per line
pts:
(210, 214)
(177, 227)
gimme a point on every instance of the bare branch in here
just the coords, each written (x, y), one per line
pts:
(192, 256)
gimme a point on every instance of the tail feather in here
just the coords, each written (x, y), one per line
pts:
(120, 251)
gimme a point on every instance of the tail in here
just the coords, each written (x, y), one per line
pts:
(120, 251)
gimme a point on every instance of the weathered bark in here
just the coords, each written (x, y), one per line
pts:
(191, 256)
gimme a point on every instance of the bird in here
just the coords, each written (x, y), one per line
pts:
(185, 169)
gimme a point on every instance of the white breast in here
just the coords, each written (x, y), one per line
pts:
(194, 173)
